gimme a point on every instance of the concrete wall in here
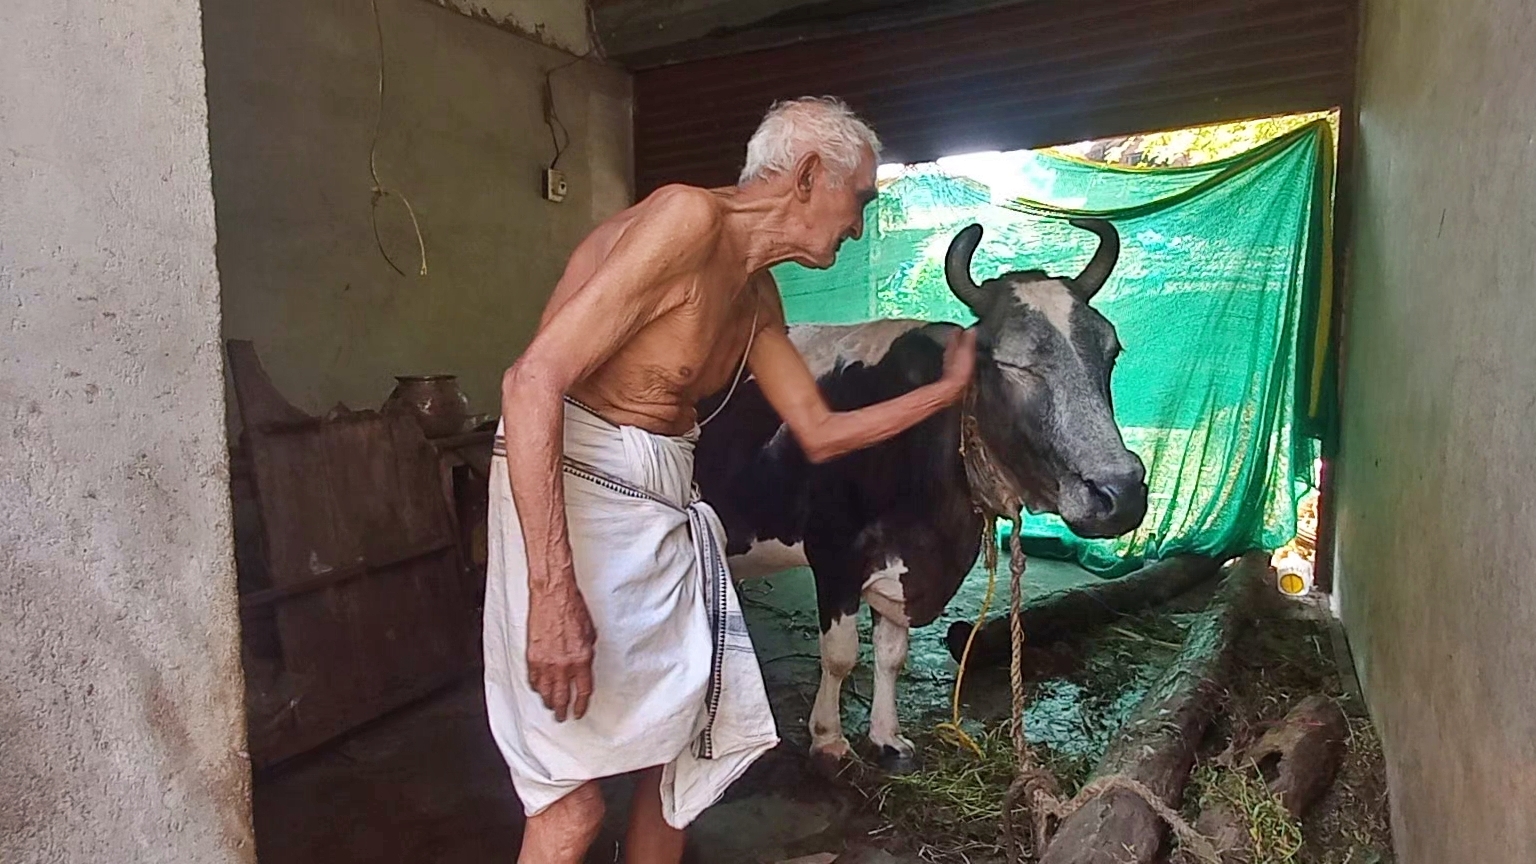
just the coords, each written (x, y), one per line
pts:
(292, 93)
(1437, 503)
(561, 23)
(120, 691)
(635, 25)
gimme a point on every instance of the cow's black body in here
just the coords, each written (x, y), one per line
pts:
(905, 499)
(894, 525)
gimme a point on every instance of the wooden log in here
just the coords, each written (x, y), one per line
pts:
(1300, 756)
(1228, 832)
(1071, 612)
(1156, 746)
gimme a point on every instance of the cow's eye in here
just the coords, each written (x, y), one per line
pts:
(1018, 367)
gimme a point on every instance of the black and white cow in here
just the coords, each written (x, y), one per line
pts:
(894, 525)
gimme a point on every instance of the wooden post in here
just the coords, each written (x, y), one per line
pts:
(1156, 746)
(1075, 611)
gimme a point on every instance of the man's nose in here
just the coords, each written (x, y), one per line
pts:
(858, 228)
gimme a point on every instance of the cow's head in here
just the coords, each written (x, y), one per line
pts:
(1042, 402)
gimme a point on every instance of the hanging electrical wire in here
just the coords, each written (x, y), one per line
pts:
(551, 113)
(552, 117)
(380, 191)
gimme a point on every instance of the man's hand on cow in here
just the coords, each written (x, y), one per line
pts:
(960, 361)
(560, 640)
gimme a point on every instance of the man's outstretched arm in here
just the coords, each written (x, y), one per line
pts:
(627, 291)
(824, 434)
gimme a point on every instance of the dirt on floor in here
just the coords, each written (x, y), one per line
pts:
(427, 785)
(1082, 691)
(1279, 664)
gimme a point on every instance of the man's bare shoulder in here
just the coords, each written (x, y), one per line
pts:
(689, 211)
(675, 219)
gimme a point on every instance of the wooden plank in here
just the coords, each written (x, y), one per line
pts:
(366, 488)
(298, 509)
(258, 400)
(355, 652)
(366, 593)
(467, 439)
(269, 596)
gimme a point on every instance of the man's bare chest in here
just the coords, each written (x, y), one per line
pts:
(700, 345)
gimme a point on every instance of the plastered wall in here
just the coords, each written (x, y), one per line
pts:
(293, 99)
(561, 23)
(121, 719)
(1437, 498)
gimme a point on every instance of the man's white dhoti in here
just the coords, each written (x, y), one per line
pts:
(675, 680)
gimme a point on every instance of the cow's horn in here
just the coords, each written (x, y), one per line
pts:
(957, 268)
(1093, 276)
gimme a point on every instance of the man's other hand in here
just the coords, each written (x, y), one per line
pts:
(560, 640)
(959, 362)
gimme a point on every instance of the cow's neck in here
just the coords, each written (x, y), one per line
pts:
(993, 488)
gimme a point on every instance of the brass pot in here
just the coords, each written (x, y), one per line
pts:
(435, 401)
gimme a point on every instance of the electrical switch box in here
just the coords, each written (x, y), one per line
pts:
(553, 185)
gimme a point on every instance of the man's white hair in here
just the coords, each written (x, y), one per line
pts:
(824, 125)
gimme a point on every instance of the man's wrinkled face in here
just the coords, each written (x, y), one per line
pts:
(836, 205)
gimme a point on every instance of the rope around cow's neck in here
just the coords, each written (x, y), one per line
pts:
(952, 728)
(991, 495)
(1033, 785)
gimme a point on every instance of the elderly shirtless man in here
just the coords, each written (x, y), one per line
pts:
(613, 642)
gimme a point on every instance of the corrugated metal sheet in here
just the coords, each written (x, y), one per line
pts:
(1041, 73)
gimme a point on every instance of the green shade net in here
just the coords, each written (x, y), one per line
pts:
(1224, 385)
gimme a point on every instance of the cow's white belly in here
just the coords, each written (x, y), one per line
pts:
(765, 558)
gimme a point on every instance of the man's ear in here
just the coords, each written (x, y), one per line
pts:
(806, 169)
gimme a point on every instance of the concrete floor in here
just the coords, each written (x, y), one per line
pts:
(427, 784)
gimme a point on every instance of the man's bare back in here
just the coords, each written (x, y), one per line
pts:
(694, 350)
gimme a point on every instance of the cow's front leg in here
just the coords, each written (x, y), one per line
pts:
(839, 654)
(896, 753)
(886, 596)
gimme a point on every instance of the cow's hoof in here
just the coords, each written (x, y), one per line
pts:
(829, 759)
(895, 755)
(895, 760)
